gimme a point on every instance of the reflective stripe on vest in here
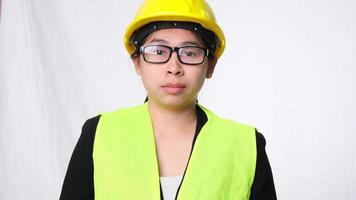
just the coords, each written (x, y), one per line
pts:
(221, 166)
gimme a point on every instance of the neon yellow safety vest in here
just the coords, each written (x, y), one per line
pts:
(221, 166)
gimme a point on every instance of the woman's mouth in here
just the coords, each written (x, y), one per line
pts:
(173, 88)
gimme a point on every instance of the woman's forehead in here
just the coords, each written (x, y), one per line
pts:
(174, 36)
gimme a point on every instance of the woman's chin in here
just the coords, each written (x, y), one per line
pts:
(174, 102)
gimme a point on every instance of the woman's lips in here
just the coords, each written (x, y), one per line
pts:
(173, 88)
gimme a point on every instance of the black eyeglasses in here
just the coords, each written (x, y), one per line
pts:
(159, 54)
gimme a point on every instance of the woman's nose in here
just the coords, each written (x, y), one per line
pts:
(174, 67)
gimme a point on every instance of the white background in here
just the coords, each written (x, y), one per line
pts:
(288, 69)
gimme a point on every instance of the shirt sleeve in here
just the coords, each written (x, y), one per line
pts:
(263, 185)
(78, 182)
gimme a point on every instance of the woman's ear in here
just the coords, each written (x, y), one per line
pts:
(136, 62)
(211, 66)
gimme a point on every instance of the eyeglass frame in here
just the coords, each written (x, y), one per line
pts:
(171, 50)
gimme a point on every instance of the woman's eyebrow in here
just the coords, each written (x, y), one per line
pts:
(185, 43)
(157, 40)
(191, 43)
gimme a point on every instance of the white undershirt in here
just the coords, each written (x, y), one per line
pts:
(170, 186)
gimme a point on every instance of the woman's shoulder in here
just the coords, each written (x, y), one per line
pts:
(89, 129)
(91, 123)
(212, 116)
(260, 139)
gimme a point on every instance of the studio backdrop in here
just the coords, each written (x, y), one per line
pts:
(289, 69)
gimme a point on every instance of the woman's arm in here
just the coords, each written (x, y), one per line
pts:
(263, 185)
(78, 182)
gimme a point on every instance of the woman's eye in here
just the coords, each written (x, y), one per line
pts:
(159, 52)
(189, 53)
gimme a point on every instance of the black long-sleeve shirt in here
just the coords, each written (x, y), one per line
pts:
(79, 183)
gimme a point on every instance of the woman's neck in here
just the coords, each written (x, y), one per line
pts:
(172, 121)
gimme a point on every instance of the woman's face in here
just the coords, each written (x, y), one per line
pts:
(173, 84)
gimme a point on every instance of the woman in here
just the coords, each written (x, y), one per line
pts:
(170, 147)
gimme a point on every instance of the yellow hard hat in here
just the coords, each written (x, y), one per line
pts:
(196, 11)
